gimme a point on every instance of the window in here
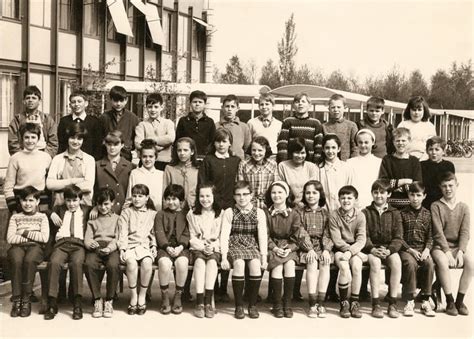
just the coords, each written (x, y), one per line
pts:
(183, 35)
(111, 31)
(11, 9)
(40, 13)
(64, 92)
(199, 40)
(136, 20)
(68, 14)
(91, 17)
(167, 22)
(10, 97)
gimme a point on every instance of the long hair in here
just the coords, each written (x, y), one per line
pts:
(143, 189)
(174, 152)
(215, 205)
(326, 138)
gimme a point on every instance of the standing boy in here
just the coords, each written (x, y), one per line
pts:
(344, 129)
(197, 125)
(48, 139)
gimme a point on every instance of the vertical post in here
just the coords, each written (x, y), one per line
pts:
(27, 31)
(252, 112)
(462, 128)
(361, 116)
(55, 45)
(189, 55)
(446, 123)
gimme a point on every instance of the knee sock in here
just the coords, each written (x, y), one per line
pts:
(288, 291)
(208, 297)
(199, 298)
(164, 287)
(312, 299)
(179, 289)
(425, 297)
(224, 281)
(321, 298)
(343, 289)
(375, 301)
(238, 287)
(449, 298)
(276, 285)
(459, 299)
(253, 288)
(354, 297)
(298, 279)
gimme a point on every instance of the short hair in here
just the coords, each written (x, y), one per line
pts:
(78, 93)
(336, 97)
(435, 140)
(30, 127)
(77, 129)
(297, 145)
(114, 137)
(29, 190)
(348, 190)
(267, 97)
(241, 184)
(72, 192)
(416, 187)
(290, 199)
(148, 144)
(415, 102)
(215, 205)
(154, 98)
(174, 151)
(381, 185)
(118, 93)
(401, 131)
(104, 194)
(300, 96)
(199, 95)
(231, 97)
(262, 141)
(32, 90)
(174, 191)
(221, 134)
(447, 176)
(376, 102)
(140, 189)
(319, 187)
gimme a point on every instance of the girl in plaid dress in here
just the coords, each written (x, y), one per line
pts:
(316, 246)
(244, 242)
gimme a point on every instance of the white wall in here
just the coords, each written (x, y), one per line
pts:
(67, 56)
(10, 43)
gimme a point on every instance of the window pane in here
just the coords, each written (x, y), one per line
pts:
(64, 92)
(91, 18)
(9, 92)
(11, 9)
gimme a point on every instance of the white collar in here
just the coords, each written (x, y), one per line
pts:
(221, 156)
(451, 205)
(82, 116)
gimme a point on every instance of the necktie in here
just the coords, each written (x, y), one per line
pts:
(71, 225)
(114, 165)
(266, 122)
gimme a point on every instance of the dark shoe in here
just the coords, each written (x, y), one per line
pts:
(277, 311)
(25, 307)
(187, 298)
(43, 307)
(344, 311)
(451, 309)
(209, 311)
(132, 309)
(141, 309)
(224, 298)
(177, 305)
(298, 297)
(355, 310)
(377, 311)
(165, 302)
(332, 297)
(392, 311)
(77, 313)
(239, 313)
(199, 311)
(287, 312)
(364, 296)
(253, 312)
(33, 297)
(50, 313)
(462, 309)
(16, 308)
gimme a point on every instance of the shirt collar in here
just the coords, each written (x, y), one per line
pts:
(141, 209)
(284, 211)
(381, 209)
(236, 121)
(245, 209)
(347, 216)
(261, 118)
(78, 155)
(35, 113)
(309, 209)
(221, 156)
(82, 116)
(116, 159)
(151, 121)
(451, 205)
(191, 116)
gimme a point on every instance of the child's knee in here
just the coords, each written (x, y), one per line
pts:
(239, 267)
(165, 264)
(375, 263)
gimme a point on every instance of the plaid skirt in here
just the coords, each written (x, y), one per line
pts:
(243, 246)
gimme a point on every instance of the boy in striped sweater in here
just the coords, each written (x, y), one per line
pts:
(28, 231)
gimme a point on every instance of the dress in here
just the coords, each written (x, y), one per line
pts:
(317, 237)
(243, 242)
(204, 229)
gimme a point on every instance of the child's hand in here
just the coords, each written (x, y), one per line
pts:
(460, 259)
(264, 261)
(170, 250)
(311, 257)
(122, 256)
(346, 256)
(127, 204)
(178, 250)
(325, 257)
(225, 264)
(208, 250)
(104, 251)
(94, 244)
(415, 254)
(425, 254)
(56, 220)
(154, 252)
(404, 181)
(451, 260)
(94, 213)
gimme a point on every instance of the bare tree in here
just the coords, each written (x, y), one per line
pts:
(287, 50)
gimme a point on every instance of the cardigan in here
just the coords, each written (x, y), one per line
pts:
(201, 130)
(451, 227)
(348, 235)
(346, 131)
(240, 135)
(160, 130)
(204, 228)
(126, 125)
(28, 228)
(104, 229)
(168, 222)
(431, 172)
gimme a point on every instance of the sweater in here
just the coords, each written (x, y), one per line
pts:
(103, 229)
(348, 235)
(296, 176)
(202, 131)
(126, 125)
(431, 172)
(383, 136)
(24, 228)
(171, 229)
(451, 227)
(160, 130)
(136, 228)
(186, 176)
(240, 135)
(204, 228)
(271, 132)
(420, 132)
(346, 131)
(366, 170)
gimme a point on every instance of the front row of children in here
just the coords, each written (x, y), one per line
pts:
(408, 242)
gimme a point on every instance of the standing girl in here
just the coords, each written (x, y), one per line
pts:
(183, 169)
(137, 245)
(259, 170)
(283, 232)
(204, 228)
(333, 173)
(416, 119)
(316, 247)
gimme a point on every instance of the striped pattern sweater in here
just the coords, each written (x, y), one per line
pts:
(28, 228)
(308, 128)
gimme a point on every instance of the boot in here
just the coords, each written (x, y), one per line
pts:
(16, 307)
(25, 307)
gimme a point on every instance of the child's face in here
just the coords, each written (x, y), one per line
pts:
(154, 110)
(78, 105)
(416, 113)
(301, 106)
(312, 196)
(173, 203)
(206, 198)
(139, 199)
(401, 143)
(265, 107)
(449, 188)
(184, 151)
(299, 157)
(278, 195)
(148, 157)
(380, 197)
(30, 140)
(416, 198)
(258, 152)
(230, 109)
(435, 152)
(31, 102)
(118, 105)
(113, 148)
(222, 147)
(105, 207)
(30, 204)
(374, 113)
(72, 204)
(336, 109)
(347, 201)
(331, 149)
(364, 143)
(75, 143)
(198, 106)
(242, 197)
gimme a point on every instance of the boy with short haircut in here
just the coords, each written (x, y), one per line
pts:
(27, 233)
(100, 241)
(48, 139)
(451, 228)
(197, 125)
(157, 128)
(384, 240)
(78, 102)
(27, 167)
(70, 221)
(265, 125)
(417, 265)
(382, 129)
(433, 168)
(400, 168)
(240, 130)
(120, 118)
(344, 129)
(347, 227)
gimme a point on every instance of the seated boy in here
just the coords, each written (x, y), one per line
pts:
(100, 241)
(70, 221)
(28, 231)
(417, 242)
(451, 236)
(384, 240)
(348, 232)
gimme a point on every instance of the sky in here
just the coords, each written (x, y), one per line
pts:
(359, 37)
